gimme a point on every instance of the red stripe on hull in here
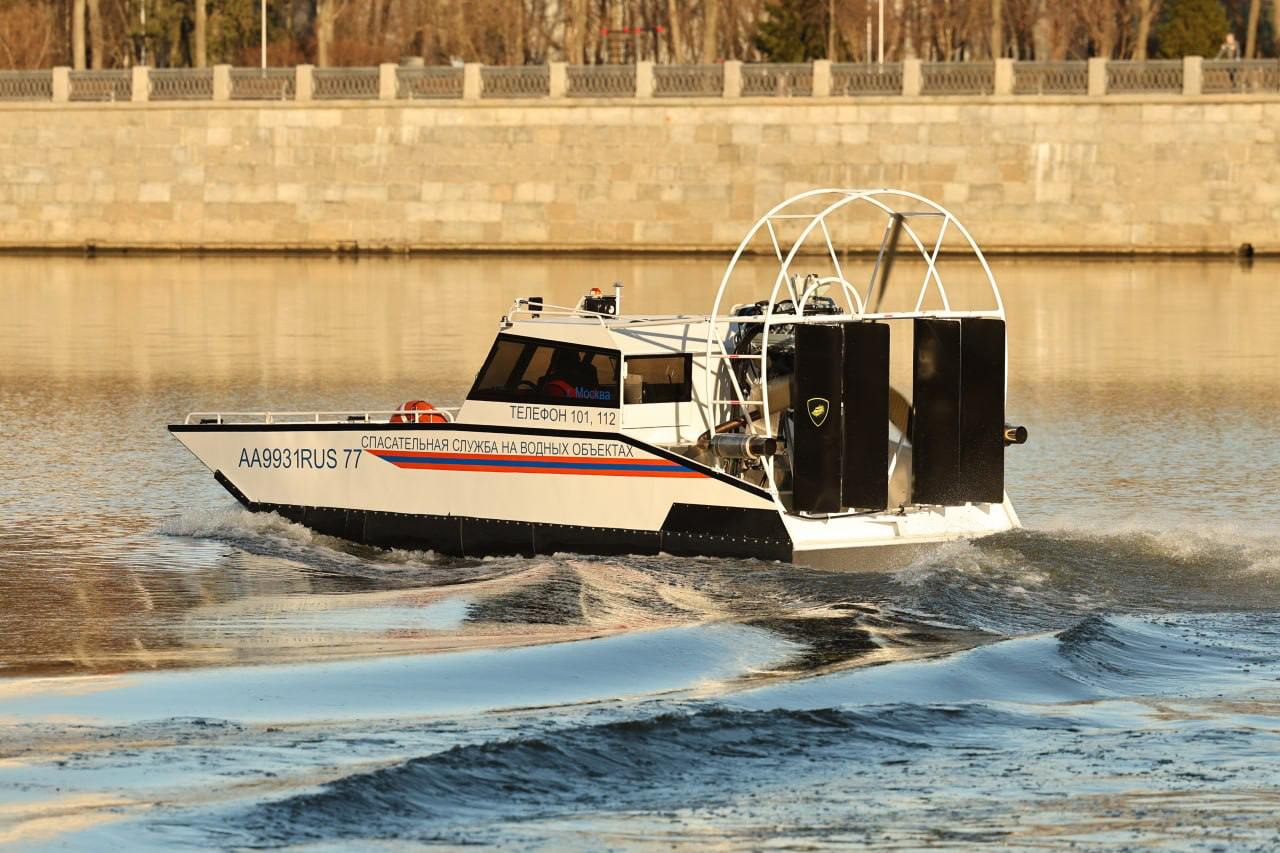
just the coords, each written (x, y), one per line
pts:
(611, 460)
(585, 472)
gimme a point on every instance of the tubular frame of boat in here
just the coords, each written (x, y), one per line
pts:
(898, 208)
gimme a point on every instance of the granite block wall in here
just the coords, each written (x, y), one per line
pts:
(1118, 174)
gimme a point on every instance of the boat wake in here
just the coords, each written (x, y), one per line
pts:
(1085, 685)
(960, 595)
(1031, 580)
(1041, 715)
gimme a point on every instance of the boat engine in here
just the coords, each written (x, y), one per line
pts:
(832, 406)
(814, 371)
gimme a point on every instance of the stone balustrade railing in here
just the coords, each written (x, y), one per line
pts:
(1191, 75)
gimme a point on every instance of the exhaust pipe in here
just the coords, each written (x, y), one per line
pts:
(738, 445)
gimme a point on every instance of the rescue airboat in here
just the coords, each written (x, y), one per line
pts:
(847, 412)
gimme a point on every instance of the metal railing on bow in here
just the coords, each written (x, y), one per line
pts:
(263, 84)
(520, 81)
(777, 80)
(26, 85)
(347, 416)
(1158, 75)
(344, 84)
(852, 79)
(181, 84)
(600, 81)
(1050, 78)
(957, 78)
(426, 83)
(110, 85)
(688, 81)
(1221, 76)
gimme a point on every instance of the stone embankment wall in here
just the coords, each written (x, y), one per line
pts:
(1117, 174)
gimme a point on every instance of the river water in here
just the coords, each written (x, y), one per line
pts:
(175, 672)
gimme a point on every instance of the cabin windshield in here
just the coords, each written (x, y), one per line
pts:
(528, 370)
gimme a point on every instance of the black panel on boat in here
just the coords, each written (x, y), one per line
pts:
(344, 524)
(439, 533)
(689, 529)
(935, 429)
(733, 521)
(982, 343)
(865, 483)
(699, 545)
(490, 536)
(816, 393)
(553, 538)
(231, 488)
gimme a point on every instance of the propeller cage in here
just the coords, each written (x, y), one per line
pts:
(849, 273)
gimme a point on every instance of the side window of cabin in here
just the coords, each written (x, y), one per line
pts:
(659, 378)
(526, 370)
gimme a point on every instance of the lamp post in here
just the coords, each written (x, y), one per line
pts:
(880, 49)
(263, 7)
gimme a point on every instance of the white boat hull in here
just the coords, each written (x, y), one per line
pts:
(479, 490)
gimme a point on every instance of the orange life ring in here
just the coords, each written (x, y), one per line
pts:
(424, 413)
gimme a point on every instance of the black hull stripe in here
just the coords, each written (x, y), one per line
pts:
(483, 428)
(690, 530)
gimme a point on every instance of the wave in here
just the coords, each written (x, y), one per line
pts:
(1033, 696)
(820, 611)
(1197, 656)
(276, 539)
(1170, 655)
(1036, 580)
(663, 762)
(1018, 583)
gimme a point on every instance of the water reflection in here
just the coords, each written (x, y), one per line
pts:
(1142, 382)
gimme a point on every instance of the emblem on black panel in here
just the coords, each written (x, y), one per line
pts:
(818, 408)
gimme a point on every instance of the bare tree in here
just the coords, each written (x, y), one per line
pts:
(32, 34)
(831, 30)
(1251, 34)
(710, 30)
(326, 14)
(97, 43)
(1027, 28)
(997, 29)
(97, 33)
(949, 30)
(675, 32)
(1275, 23)
(575, 30)
(77, 34)
(200, 56)
(1147, 11)
(1100, 20)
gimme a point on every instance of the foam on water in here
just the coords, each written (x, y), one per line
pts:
(1042, 579)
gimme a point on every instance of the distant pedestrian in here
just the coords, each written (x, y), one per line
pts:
(1230, 48)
